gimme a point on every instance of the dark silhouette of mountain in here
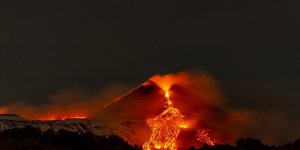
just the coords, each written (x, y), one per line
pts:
(34, 139)
(291, 146)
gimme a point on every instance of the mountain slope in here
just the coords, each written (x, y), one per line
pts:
(124, 129)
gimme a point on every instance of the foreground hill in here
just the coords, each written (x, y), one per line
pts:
(30, 138)
(251, 144)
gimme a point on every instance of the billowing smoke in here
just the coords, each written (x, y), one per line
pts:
(199, 82)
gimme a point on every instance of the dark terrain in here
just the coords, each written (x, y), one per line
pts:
(33, 139)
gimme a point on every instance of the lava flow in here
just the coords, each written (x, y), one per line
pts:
(202, 135)
(165, 127)
(63, 118)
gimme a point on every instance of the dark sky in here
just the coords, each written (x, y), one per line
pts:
(250, 46)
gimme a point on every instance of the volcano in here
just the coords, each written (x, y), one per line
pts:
(148, 101)
(126, 117)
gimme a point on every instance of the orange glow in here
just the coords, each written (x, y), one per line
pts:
(165, 128)
(202, 135)
(166, 81)
(74, 117)
(2, 110)
(51, 118)
(167, 95)
(184, 126)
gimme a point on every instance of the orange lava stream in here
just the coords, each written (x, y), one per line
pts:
(74, 117)
(63, 118)
(165, 128)
(202, 135)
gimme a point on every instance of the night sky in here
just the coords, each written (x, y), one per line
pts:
(252, 47)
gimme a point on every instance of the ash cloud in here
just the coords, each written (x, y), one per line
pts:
(198, 81)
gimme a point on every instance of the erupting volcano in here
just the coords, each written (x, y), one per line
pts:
(166, 127)
(173, 113)
(168, 114)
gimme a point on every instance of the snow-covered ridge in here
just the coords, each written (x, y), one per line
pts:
(124, 129)
(11, 117)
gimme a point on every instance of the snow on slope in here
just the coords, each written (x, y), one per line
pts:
(11, 117)
(128, 130)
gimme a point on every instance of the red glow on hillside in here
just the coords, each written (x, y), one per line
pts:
(55, 117)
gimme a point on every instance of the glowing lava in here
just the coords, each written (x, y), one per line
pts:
(165, 127)
(202, 135)
(74, 117)
(52, 118)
